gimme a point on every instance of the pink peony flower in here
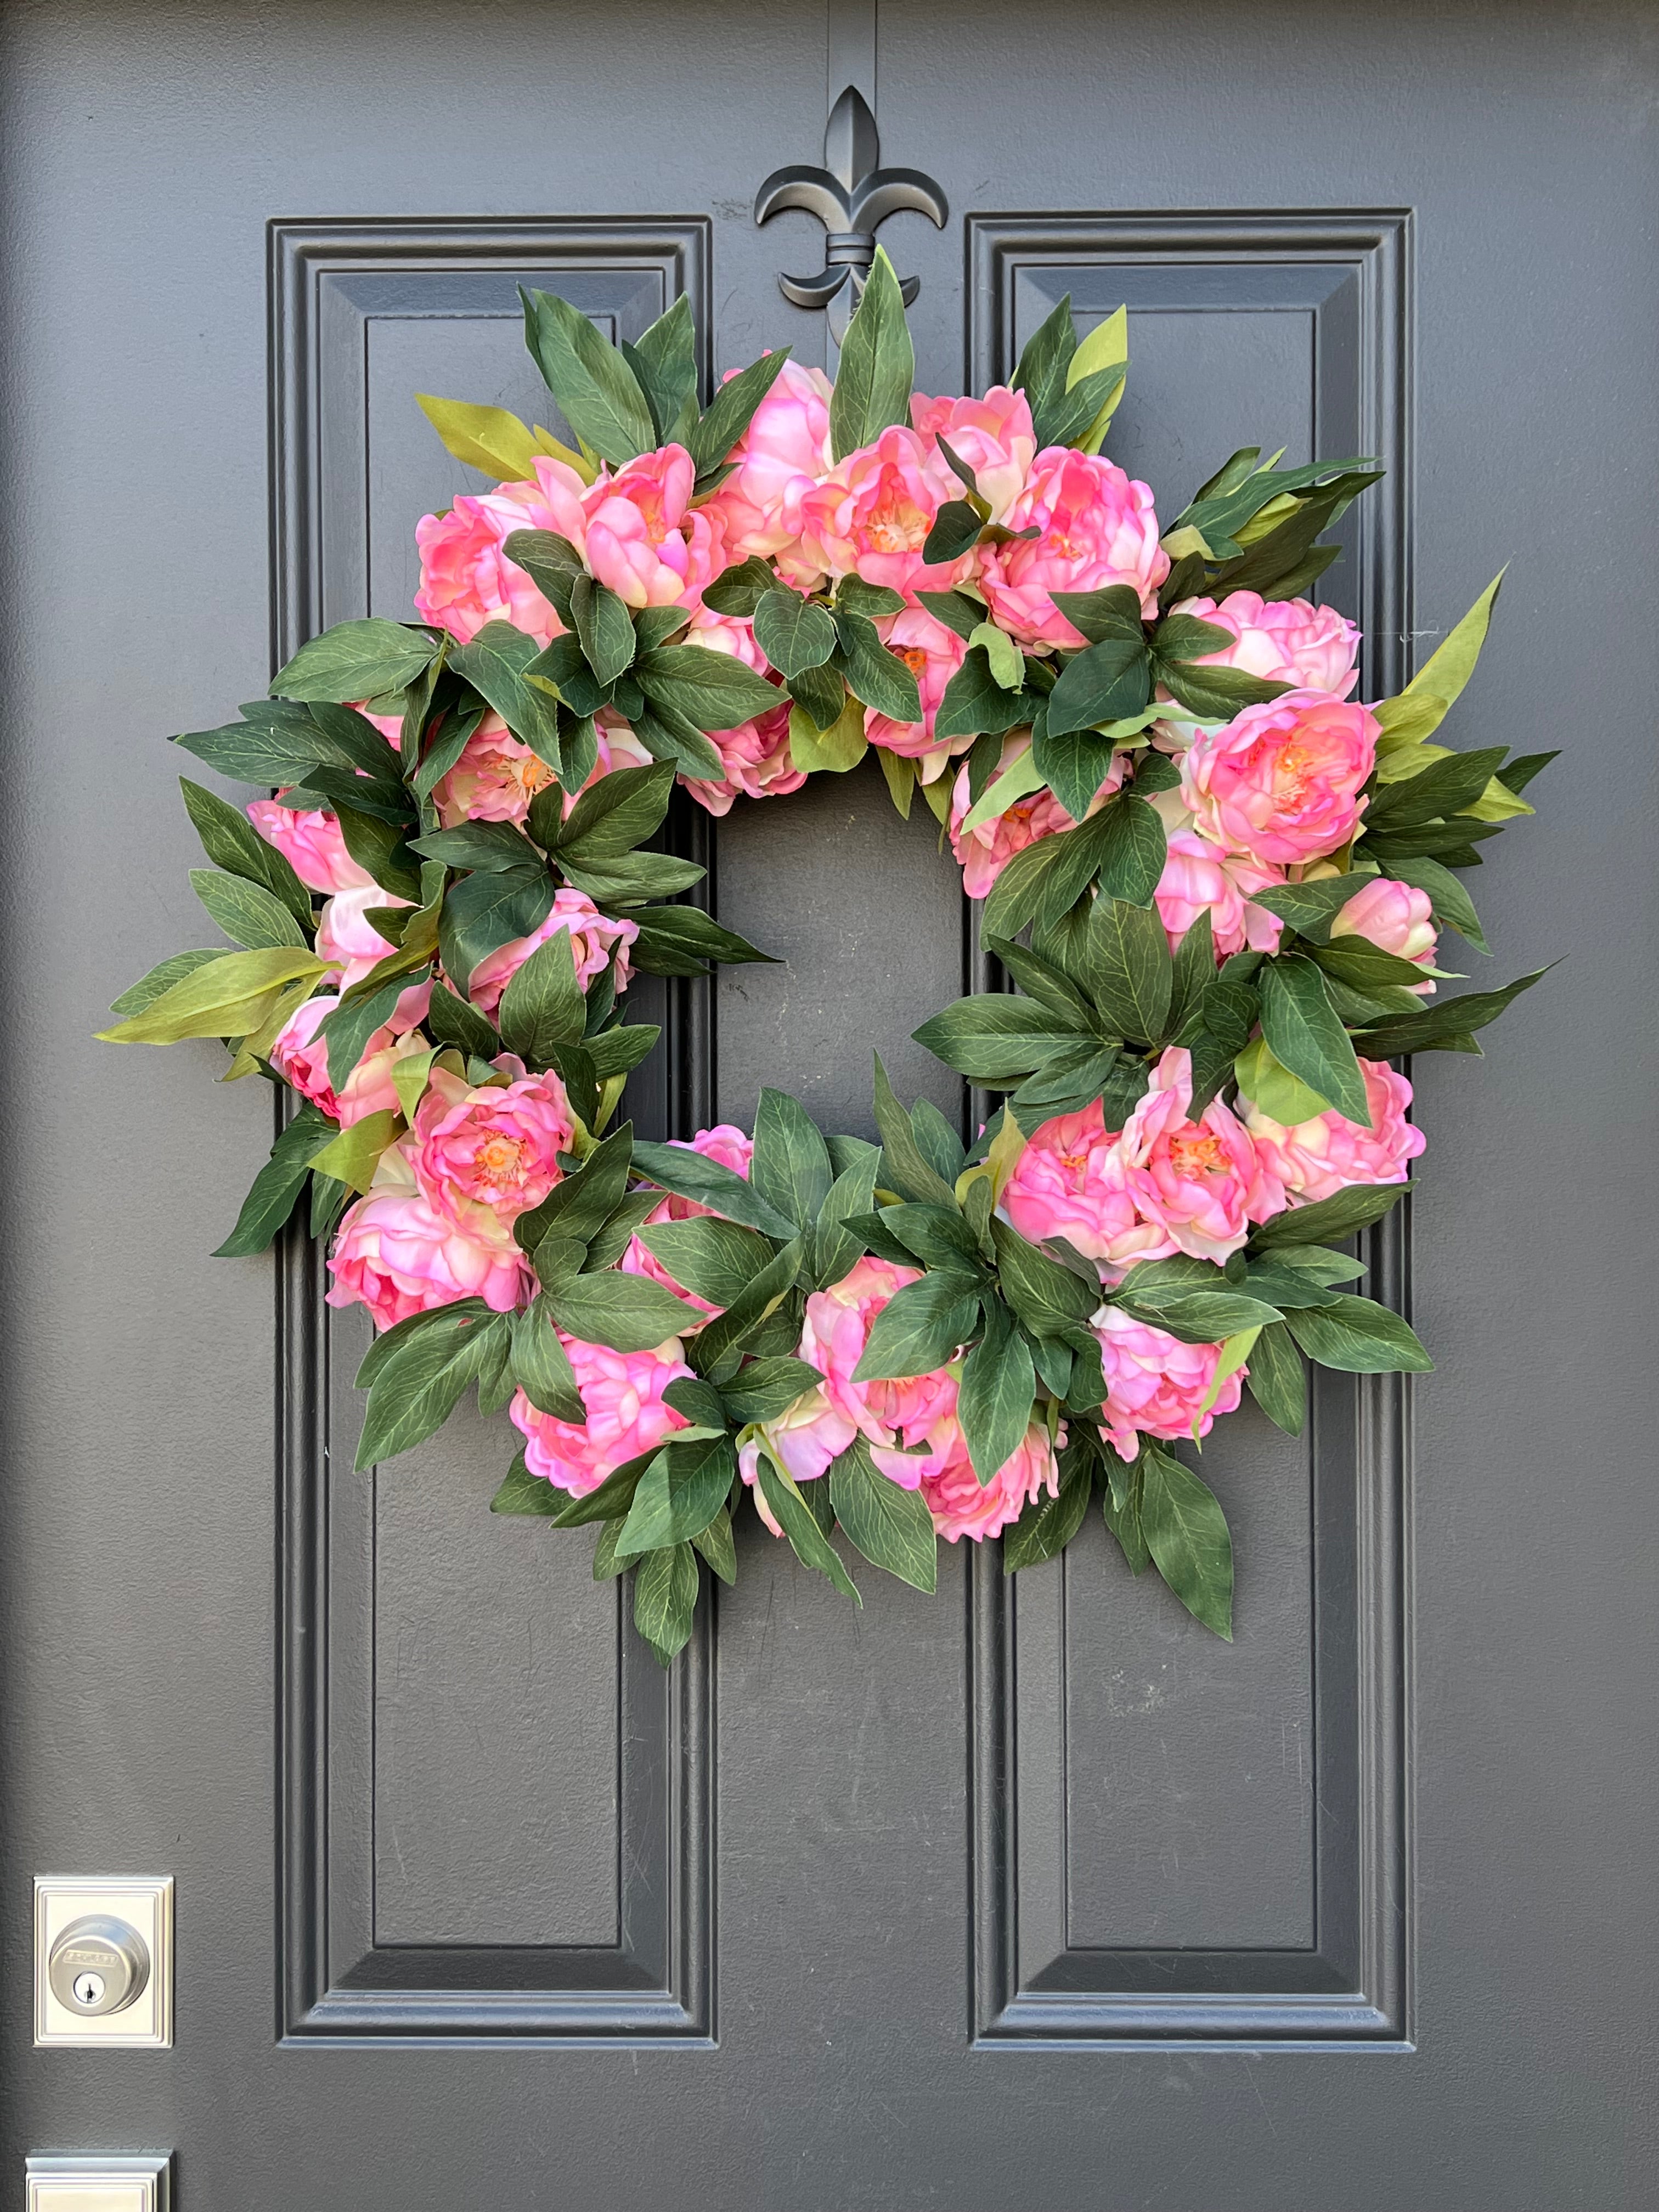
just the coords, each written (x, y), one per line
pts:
(398, 1254)
(623, 1392)
(485, 1147)
(1318, 1157)
(643, 536)
(301, 1059)
(1155, 1383)
(983, 853)
(1069, 1182)
(891, 1414)
(729, 1148)
(1099, 529)
(1286, 640)
(1397, 917)
(779, 458)
(467, 580)
(993, 436)
(1198, 875)
(309, 839)
(955, 1497)
(1201, 1184)
(592, 935)
(932, 653)
(345, 937)
(871, 515)
(757, 754)
(494, 781)
(1282, 780)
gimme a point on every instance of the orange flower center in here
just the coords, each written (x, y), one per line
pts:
(497, 1160)
(895, 523)
(914, 659)
(1199, 1153)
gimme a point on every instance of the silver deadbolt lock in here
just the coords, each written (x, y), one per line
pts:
(98, 1965)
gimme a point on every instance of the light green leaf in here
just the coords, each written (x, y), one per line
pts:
(222, 997)
(355, 1154)
(486, 438)
(831, 752)
(1007, 661)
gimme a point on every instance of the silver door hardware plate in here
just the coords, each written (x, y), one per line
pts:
(103, 1965)
(100, 2181)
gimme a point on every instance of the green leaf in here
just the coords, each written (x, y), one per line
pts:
(956, 531)
(490, 846)
(1358, 1337)
(739, 590)
(484, 912)
(1445, 1018)
(764, 1389)
(1305, 1035)
(165, 974)
(1341, 1215)
(890, 1526)
(423, 1381)
(679, 940)
(827, 748)
(1133, 848)
(1105, 682)
(597, 391)
(617, 813)
(543, 1006)
(690, 1175)
(275, 1190)
(1276, 1380)
(996, 1039)
(345, 1033)
(954, 609)
(793, 1516)
(1048, 1524)
(666, 1599)
(452, 1021)
(1440, 790)
(1129, 972)
(834, 1250)
(713, 691)
(1439, 683)
(792, 633)
(1074, 766)
(874, 674)
(226, 996)
(994, 1402)
(904, 1167)
(356, 661)
(1042, 370)
(1185, 1532)
(603, 626)
(713, 1258)
(1453, 906)
(486, 438)
(498, 664)
(1200, 1316)
(716, 1544)
(1107, 346)
(522, 1492)
(629, 1313)
(745, 1315)
(1015, 895)
(231, 843)
(921, 1327)
(355, 1153)
(1216, 693)
(731, 411)
(665, 361)
(680, 1494)
(246, 912)
(791, 1168)
(878, 365)
(552, 563)
(541, 1366)
(1048, 1297)
(379, 847)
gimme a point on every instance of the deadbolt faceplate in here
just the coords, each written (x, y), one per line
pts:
(99, 1965)
(103, 1960)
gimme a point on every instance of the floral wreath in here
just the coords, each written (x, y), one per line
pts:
(1212, 879)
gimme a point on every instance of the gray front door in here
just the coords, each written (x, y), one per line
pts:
(1031, 1895)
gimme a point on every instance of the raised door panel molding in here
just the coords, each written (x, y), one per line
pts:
(1177, 1841)
(495, 1804)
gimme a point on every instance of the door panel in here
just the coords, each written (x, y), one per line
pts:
(1029, 1895)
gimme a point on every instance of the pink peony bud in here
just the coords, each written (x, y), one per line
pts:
(309, 839)
(1397, 917)
(779, 460)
